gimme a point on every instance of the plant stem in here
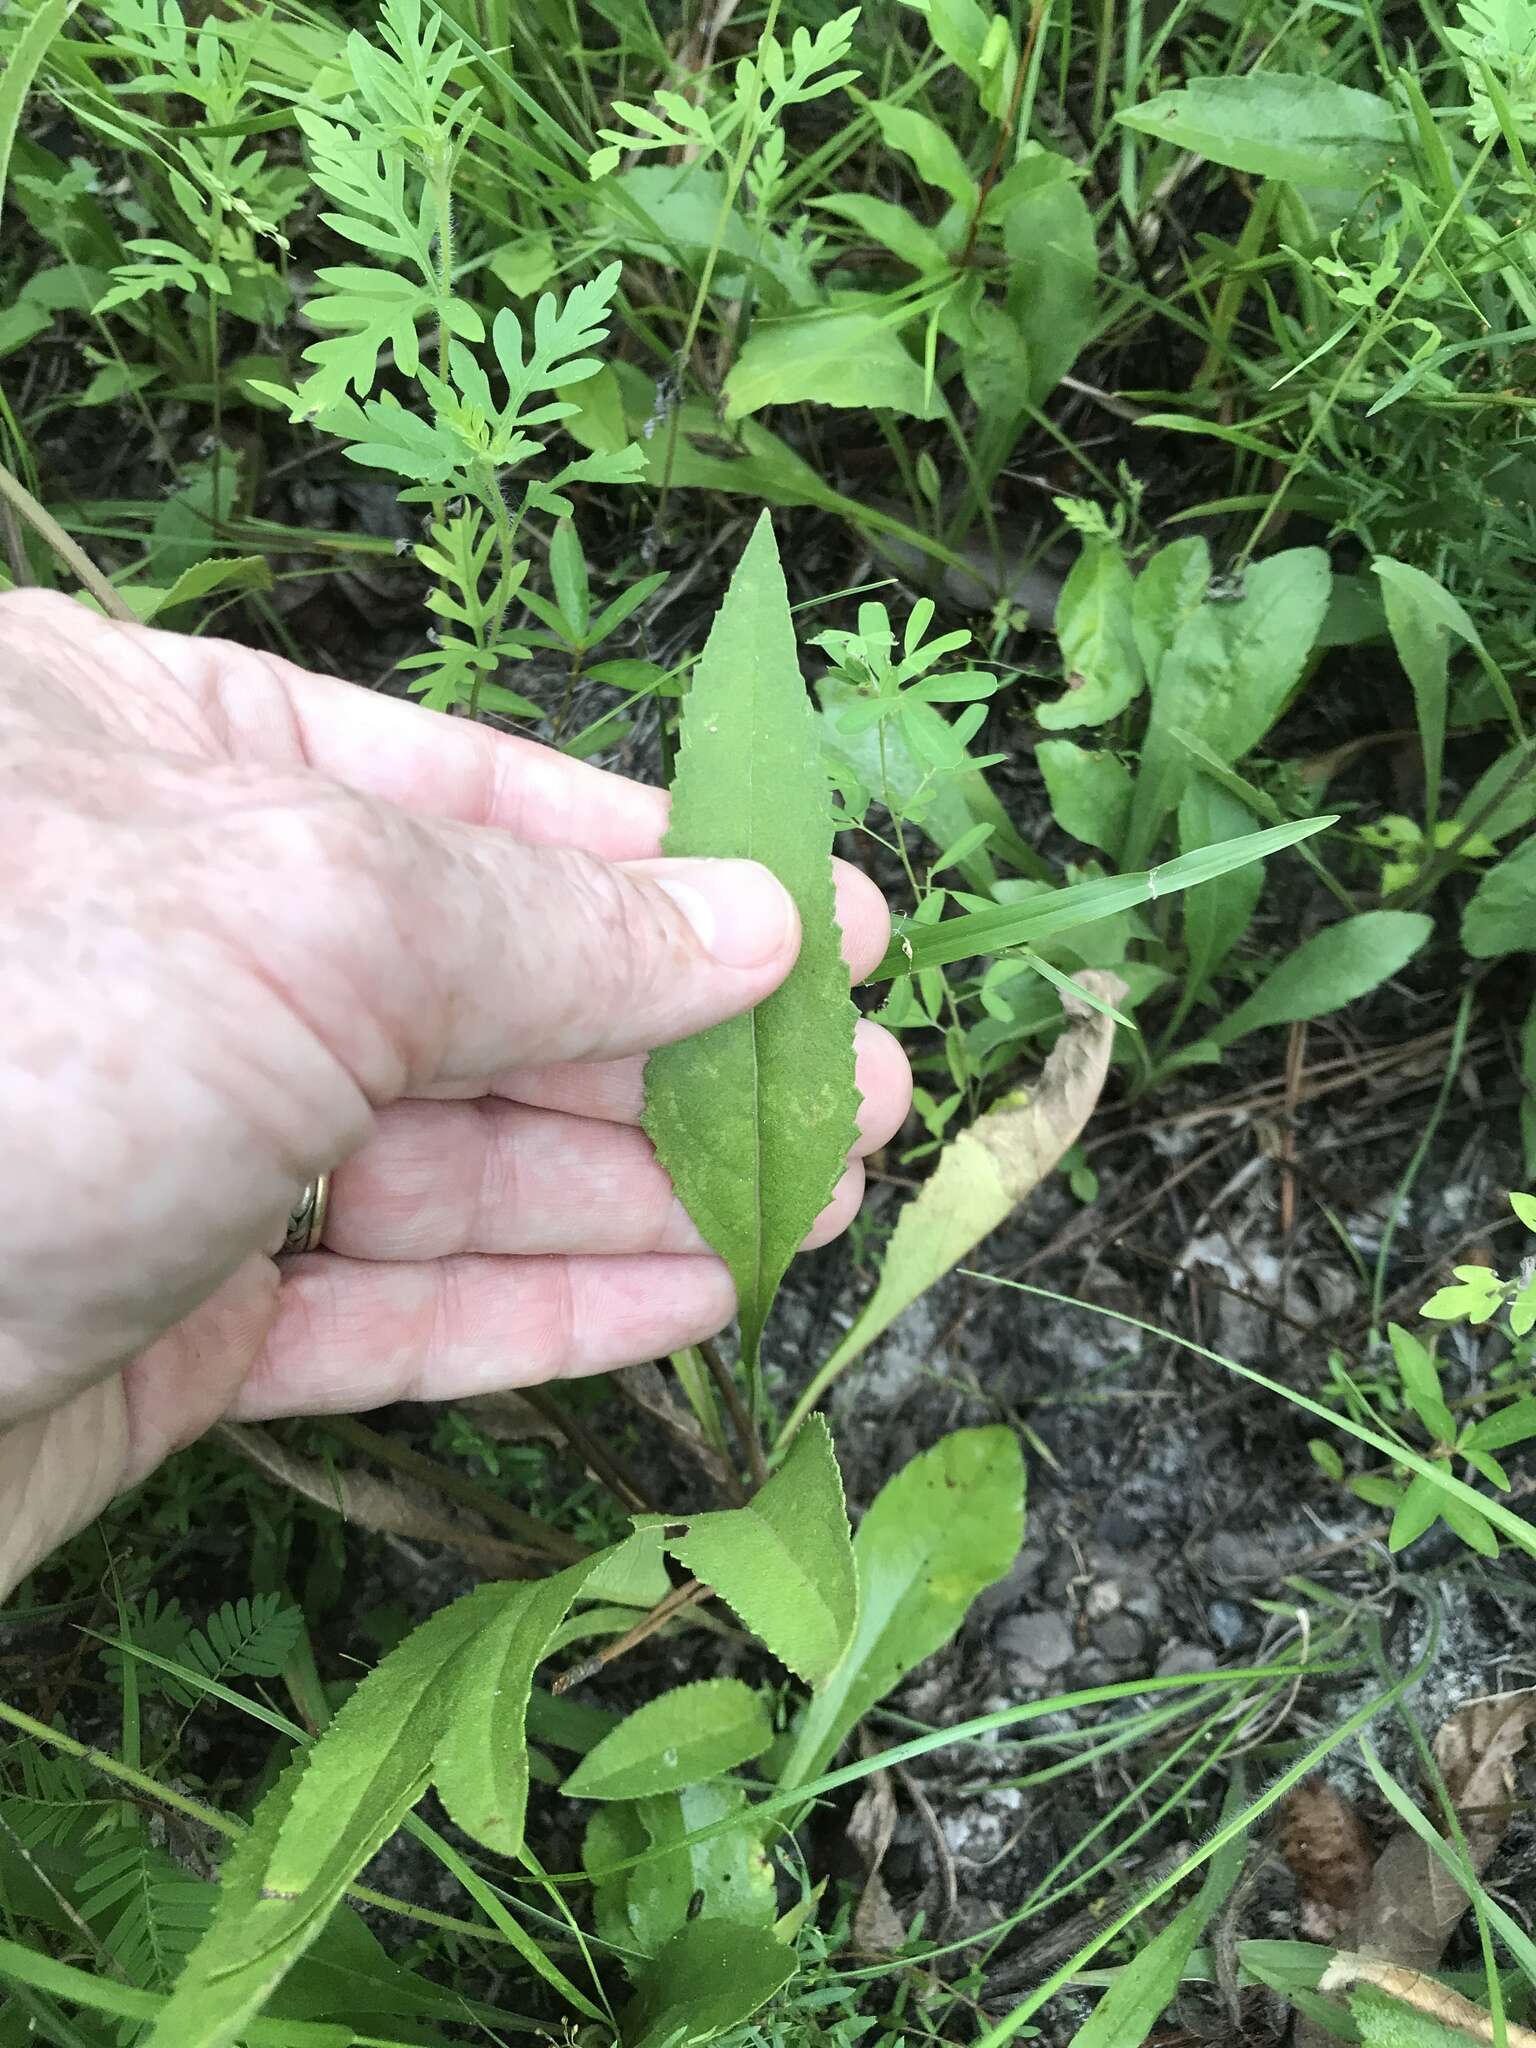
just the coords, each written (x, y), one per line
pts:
(602, 1462)
(741, 1422)
(74, 557)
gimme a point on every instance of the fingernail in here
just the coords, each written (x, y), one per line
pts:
(744, 915)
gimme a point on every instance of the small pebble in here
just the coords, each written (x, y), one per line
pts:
(1041, 1640)
(1183, 1660)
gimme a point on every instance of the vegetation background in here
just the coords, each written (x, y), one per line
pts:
(1139, 394)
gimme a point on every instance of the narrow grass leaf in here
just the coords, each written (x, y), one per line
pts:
(754, 1118)
(784, 1562)
(1063, 910)
(680, 1738)
(1146, 1987)
(942, 1530)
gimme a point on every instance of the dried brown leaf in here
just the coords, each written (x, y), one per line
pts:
(1327, 1852)
(1425, 1995)
(877, 1927)
(389, 1507)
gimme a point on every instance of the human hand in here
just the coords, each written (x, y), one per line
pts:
(257, 924)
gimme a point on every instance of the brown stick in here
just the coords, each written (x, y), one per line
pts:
(663, 1612)
(741, 1421)
(602, 1463)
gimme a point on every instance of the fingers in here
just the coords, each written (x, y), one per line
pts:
(421, 953)
(350, 1334)
(443, 1178)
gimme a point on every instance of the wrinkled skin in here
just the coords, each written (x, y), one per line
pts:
(256, 924)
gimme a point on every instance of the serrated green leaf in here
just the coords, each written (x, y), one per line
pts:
(712, 1975)
(1334, 967)
(1498, 919)
(319, 1825)
(755, 1118)
(691, 1733)
(1421, 632)
(1274, 124)
(942, 1530)
(480, 1763)
(784, 1562)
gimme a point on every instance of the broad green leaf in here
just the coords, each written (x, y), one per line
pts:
(1227, 677)
(23, 59)
(982, 1176)
(480, 1762)
(1503, 798)
(1421, 633)
(784, 1561)
(847, 356)
(229, 1975)
(1335, 966)
(202, 580)
(1501, 917)
(643, 1907)
(100, 1993)
(892, 227)
(1098, 647)
(928, 148)
(1169, 591)
(1053, 266)
(916, 946)
(1216, 916)
(1304, 128)
(1417, 1509)
(691, 1733)
(1147, 1986)
(1090, 792)
(754, 1118)
(1421, 1383)
(947, 1526)
(711, 1976)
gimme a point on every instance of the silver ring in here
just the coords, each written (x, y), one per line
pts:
(306, 1221)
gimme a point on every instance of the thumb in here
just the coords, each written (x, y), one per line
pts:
(473, 952)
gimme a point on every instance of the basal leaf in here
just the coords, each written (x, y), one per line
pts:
(318, 1826)
(1228, 676)
(784, 1561)
(1335, 966)
(712, 1975)
(754, 1118)
(945, 1527)
(1090, 792)
(683, 1736)
(1304, 128)
(1098, 647)
(480, 1764)
(846, 356)
(1421, 628)
(1216, 916)
(982, 1176)
(1499, 918)
(643, 1907)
